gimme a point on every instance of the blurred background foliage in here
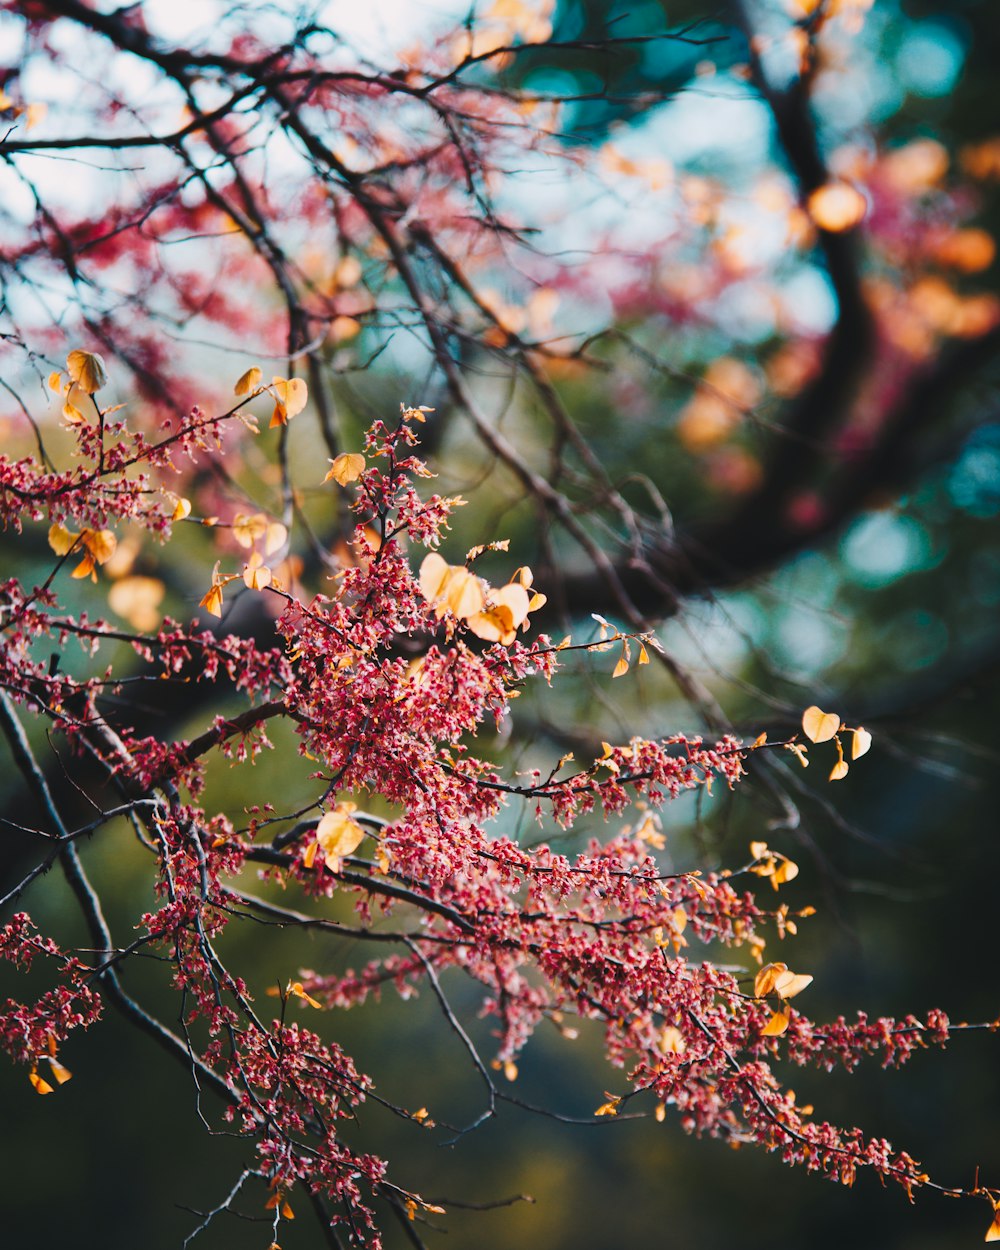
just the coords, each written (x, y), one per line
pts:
(894, 617)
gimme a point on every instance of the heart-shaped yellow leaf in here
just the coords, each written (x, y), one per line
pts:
(819, 726)
(861, 743)
(347, 467)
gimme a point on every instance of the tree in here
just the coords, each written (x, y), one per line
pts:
(266, 193)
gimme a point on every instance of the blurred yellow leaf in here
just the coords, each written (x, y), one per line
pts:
(137, 599)
(819, 726)
(837, 206)
(839, 771)
(247, 529)
(671, 1041)
(182, 509)
(342, 329)
(275, 537)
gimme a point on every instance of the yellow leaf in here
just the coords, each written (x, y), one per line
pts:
(504, 611)
(87, 370)
(462, 594)
(337, 835)
(861, 743)
(182, 509)
(839, 771)
(787, 984)
(100, 543)
(55, 381)
(287, 1211)
(759, 741)
(248, 382)
(510, 1070)
(661, 1112)
(256, 574)
(819, 726)
(758, 849)
(291, 396)
(643, 654)
(993, 1232)
(621, 668)
(433, 572)
(347, 467)
(61, 540)
(764, 981)
(784, 871)
(610, 1107)
(777, 1024)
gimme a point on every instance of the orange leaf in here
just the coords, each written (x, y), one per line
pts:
(61, 1073)
(41, 1086)
(212, 601)
(777, 1024)
(839, 771)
